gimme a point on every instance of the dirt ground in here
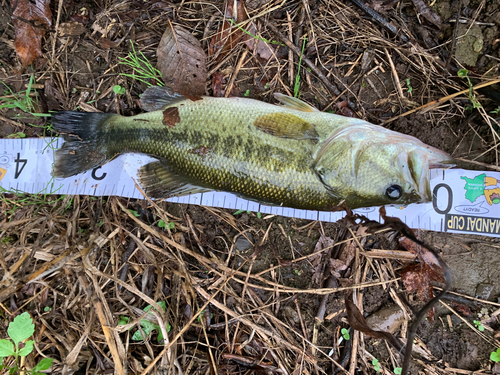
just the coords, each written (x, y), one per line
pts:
(246, 293)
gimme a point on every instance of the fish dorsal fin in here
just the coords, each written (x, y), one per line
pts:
(159, 182)
(294, 103)
(286, 125)
(156, 97)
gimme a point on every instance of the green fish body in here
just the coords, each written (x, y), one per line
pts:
(291, 155)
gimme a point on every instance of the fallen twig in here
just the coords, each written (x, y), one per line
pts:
(379, 19)
(438, 102)
(311, 65)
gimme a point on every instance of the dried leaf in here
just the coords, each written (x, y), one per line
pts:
(182, 62)
(357, 321)
(344, 110)
(229, 34)
(319, 267)
(423, 254)
(387, 319)
(31, 20)
(383, 6)
(464, 310)
(336, 266)
(418, 277)
(218, 83)
(263, 49)
(427, 12)
(71, 28)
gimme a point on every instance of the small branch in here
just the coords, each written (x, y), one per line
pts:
(437, 102)
(311, 65)
(380, 19)
(454, 39)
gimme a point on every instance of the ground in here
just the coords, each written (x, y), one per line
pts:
(246, 293)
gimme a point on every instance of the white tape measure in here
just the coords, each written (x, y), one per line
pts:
(464, 201)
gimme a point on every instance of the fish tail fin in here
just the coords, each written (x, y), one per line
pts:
(85, 145)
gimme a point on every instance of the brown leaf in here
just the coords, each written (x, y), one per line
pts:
(182, 62)
(427, 12)
(423, 254)
(336, 266)
(417, 277)
(71, 28)
(319, 267)
(262, 48)
(229, 34)
(31, 20)
(218, 82)
(344, 110)
(357, 321)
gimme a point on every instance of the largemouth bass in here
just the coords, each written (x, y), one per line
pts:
(291, 155)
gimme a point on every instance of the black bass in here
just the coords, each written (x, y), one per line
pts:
(291, 155)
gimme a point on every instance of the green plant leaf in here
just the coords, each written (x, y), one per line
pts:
(117, 89)
(21, 328)
(134, 212)
(6, 348)
(137, 336)
(44, 364)
(495, 356)
(123, 320)
(398, 370)
(147, 326)
(28, 348)
(163, 305)
(160, 333)
(17, 135)
(462, 73)
(162, 224)
(345, 333)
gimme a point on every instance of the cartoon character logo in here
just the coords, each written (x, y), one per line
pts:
(491, 190)
(5, 161)
(482, 185)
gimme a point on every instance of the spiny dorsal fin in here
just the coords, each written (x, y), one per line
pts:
(286, 125)
(156, 97)
(159, 182)
(294, 103)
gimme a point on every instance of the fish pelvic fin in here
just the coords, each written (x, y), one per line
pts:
(85, 142)
(158, 181)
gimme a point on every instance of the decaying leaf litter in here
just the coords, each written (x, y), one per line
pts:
(243, 293)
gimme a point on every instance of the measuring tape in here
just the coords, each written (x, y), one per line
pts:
(463, 201)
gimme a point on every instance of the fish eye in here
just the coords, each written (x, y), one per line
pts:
(394, 192)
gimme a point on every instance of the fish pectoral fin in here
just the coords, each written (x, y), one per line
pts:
(294, 103)
(159, 182)
(286, 125)
(156, 97)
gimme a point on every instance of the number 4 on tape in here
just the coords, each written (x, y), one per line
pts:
(19, 168)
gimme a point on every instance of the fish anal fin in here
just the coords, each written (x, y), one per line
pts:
(156, 97)
(159, 182)
(294, 103)
(286, 125)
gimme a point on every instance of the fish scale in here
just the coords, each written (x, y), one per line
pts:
(248, 162)
(290, 155)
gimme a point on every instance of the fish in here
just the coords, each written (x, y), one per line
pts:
(290, 155)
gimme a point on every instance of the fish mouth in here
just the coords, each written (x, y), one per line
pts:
(421, 161)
